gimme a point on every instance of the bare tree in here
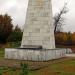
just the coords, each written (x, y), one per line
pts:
(59, 19)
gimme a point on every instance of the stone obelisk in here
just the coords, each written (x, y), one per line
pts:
(39, 28)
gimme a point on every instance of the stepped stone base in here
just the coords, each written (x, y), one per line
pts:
(34, 54)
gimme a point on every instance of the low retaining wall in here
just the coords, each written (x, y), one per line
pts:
(34, 55)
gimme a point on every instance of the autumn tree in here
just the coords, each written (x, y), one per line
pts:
(5, 27)
(65, 38)
(69, 38)
(73, 38)
(61, 38)
(59, 19)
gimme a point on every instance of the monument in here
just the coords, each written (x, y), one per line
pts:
(39, 29)
(38, 43)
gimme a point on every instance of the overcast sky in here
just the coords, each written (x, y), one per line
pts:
(17, 10)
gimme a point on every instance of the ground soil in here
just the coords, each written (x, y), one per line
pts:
(32, 65)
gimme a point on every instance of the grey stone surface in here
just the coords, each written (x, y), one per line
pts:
(34, 55)
(69, 51)
(39, 29)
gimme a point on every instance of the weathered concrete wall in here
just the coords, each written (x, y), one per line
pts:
(69, 51)
(34, 55)
(39, 28)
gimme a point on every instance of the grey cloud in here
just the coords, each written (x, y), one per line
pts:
(2, 2)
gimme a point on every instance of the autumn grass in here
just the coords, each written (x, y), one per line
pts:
(63, 68)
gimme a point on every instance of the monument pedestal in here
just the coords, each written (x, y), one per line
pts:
(34, 54)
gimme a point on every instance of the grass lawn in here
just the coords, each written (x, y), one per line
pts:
(1, 52)
(66, 67)
(63, 68)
